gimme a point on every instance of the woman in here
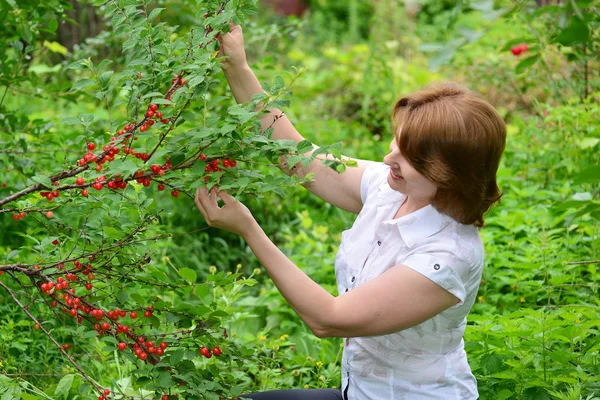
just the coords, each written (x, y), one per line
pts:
(409, 269)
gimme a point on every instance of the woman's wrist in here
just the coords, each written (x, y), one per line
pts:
(231, 68)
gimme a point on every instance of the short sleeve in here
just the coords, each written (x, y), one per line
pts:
(443, 268)
(373, 176)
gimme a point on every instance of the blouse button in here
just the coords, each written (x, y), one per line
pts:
(353, 278)
(436, 266)
(379, 242)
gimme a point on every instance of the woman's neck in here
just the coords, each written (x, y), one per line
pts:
(411, 205)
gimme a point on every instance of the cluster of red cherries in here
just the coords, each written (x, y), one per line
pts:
(518, 49)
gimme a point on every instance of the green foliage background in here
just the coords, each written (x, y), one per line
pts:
(532, 334)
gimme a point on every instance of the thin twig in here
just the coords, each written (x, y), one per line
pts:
(583, 262)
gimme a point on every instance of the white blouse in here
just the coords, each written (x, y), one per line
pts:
(426, 361)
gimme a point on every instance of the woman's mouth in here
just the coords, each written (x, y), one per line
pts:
(396, 177)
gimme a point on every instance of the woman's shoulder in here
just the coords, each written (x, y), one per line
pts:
(458, 242)
(374, 175)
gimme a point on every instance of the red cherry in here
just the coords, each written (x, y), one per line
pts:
(143, 356)
(163, 345)
(36, 326)
(49, 214)
(523, 47)
(80, 181)
(67, 346)
(175, 193)
(150, 114)
(143, 128)
(161, 187)
(112, 185)
(164, 397)
(205, 352)
(122, 346)
(150, 122)
(133, 314)
(105, 326)
(73, 312)
(155, 168)
(101, 397)
(516, 50)
(98, 186)
(106, 392)
(121, 132)
(158, 115)
(85, 193)
(216, 351)
(147, 314)
(165, 120)
(153, 107)
(91, 146)
(202, 157)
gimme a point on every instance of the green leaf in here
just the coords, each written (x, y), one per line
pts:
(154, 13)
(164, 380)
(431, 47)
(55, 47)
(526, 63)
(42, 180)
(105, 78)
(441, 58)
(53, 25)
(77, 65)
(112, 232)
(176, 356)
(122, 296)
(177, 158)
(304, 146)
(576, 32)
(152, 94)
(588, 175)
(188, 274)
(80, 84)
(64, 386)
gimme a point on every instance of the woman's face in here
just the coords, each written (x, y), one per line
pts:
(405, 179)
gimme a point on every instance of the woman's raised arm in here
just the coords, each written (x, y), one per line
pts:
(340, 190)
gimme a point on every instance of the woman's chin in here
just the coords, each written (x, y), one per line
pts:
(395, 184)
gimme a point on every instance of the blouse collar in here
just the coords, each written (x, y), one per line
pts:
(416, 226)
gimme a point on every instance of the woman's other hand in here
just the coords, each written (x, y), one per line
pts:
(234, 216)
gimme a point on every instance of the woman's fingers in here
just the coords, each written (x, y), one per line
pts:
(228, 199)
(198, 201)
(213, 198)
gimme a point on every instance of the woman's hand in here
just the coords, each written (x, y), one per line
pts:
(232, 46)
(233, 216)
